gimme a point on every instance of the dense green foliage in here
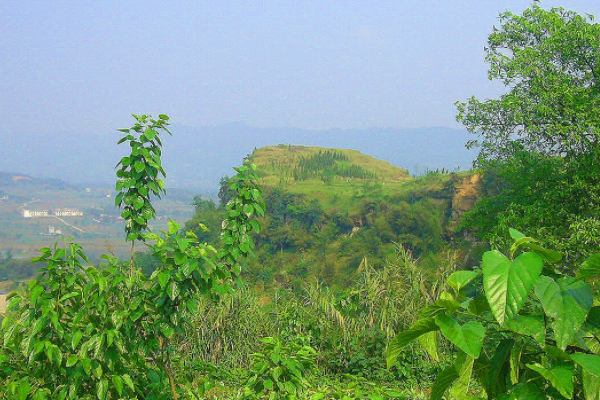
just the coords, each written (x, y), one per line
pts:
(335, 295)
(539, 140)
(300, 239)
(347, 330)
(108, 333)
(551, 198)
(521, 329)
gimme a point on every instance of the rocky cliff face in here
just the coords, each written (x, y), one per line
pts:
(465, 193)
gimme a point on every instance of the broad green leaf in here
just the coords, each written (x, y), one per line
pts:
(529, 325)
(182, 243)
(139, 166)
(589, 362)
(479, 305)
(591, 386)
(527, 391)
(548, 292)
(35, 293)
(464, 368)
(507, 284)
(163, 278)
(138, 202)
(150, 133)
(568, 302)
(589, 335)
(442, 382)
(72, 360)
(68, 296)
(460, 279)
(128, 381)
(102, 389)
(515, 234)
(559, 375)
(429, 342)
(268, 384)
(118, 382)
(173, 227)
(468, 337)
(417, 329)
(590, 268)
(143, 190)
(24, 388)
(179, 257)
(395, 394)
(97, 371)
(173, 290)
(167, 330)
(75, 339)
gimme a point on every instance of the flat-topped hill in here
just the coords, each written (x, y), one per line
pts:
(328, 175)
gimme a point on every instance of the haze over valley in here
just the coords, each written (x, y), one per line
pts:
(197, 158)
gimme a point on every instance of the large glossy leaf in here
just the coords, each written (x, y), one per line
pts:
(590, 268)
(468, 337)
(568, 302)
(417, 329)
(589, 362)
(591, 386)
(559, 375)
(442, 382)
(530, 326)
(548, 292)
(460, 279)
(507, 284)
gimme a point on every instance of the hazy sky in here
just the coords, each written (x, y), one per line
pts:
(86, 65)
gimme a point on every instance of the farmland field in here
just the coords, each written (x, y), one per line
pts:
(99, 230)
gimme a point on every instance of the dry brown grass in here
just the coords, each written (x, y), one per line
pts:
(2, 303)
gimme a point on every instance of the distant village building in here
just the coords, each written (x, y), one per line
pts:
(54, 231)
(59, 212)
(67, 212)
(34, 213)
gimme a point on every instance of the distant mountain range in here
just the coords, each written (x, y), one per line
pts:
(197, 158)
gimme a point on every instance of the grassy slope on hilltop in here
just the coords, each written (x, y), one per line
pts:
(279, 167)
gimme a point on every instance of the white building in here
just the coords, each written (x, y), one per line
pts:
(67, 212)
(34, 213)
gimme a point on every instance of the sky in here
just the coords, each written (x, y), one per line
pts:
(85, 66)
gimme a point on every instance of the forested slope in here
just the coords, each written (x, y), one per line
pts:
(329, 210)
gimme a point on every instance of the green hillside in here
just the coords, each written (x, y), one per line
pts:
(328, 175)
(330, 210)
